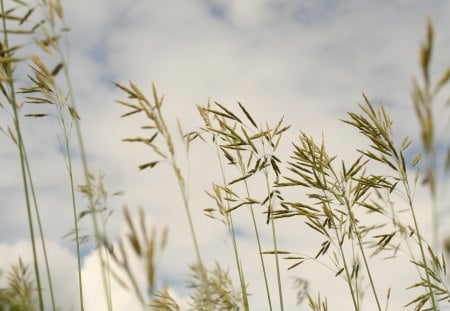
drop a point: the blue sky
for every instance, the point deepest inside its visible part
(307, 60)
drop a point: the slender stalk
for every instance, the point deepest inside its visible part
(272, 221)
(258, 242)
(344, 261)
(358, 295)
(255, 227)
(347, 272)
(97, 232)
(404, 179)
(353, 223)
(376, 126)
(75, 222)
(239, 266)
(419, 238)
(340, 241)
(191, 228)
(162, 127)
(41, 233)
(30, 218)
(363, 254)
(60, 105)
(230, 226)
(105, 252)
(12, 100)
(45, 10)
(274, 239)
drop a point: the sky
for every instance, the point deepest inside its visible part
(306, 61)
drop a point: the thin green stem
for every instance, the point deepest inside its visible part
(191, 227)
(419, 238)
(105, 252)
(274, 239)
(239, 265)
(75, 221)
(258, 242)
(355, 258)
(230, 226)
(30, 219)
(347, 272)
(68, 157)
(361, 248)
(20, 145)
(344, 260)
(97, 232)
(41, 233)
(182, 185)
(255, 227)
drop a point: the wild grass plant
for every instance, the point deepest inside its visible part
(43, 88)
(331, 197)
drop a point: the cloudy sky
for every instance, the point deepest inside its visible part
(308, 61)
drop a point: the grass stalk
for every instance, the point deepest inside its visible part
(355, 257)
(377, 127)
(184, 195)
(355, 299)
(30, 217)
(234, 132)
(20, 144)
(260, 250)
(69, 166)
(363, 253)
(97, 231)
(340, 241)
(182, 186)
(274, 240)
(231, 231)
(75, 222)
(404, 178)
(257, 235)
(41, 232)
(49, 10)
(419, 238)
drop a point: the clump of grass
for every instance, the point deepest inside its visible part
(337, 194)
(334, 195)
(18, 16)
(250, 150)
(222, 293)
(40, 26)
(19, 293)
(376, 126)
